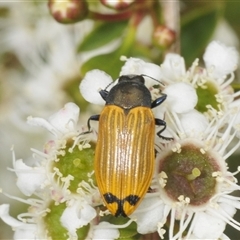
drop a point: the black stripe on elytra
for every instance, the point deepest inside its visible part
(131, 199)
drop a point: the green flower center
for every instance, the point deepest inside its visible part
(207, 96)
(189, 174)
(77, 163)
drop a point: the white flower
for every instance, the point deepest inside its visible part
(220, 59)
(55, 181)
(181, 97)
(212, 84)
(197, 183)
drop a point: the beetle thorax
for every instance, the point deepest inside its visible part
(128, 95)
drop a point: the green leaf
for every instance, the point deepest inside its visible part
(236, 86)
(109, 63)
(197, 27)
(102, 34)
(232, 15)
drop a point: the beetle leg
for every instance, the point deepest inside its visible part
(161, 122)
(104, 94)
(158, 101)
(92, 118)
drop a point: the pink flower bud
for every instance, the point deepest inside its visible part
(69, 11)
(163, 36)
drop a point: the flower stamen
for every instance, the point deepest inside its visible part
(195, 173)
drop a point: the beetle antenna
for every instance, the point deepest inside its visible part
(109, 85)
(144, 75)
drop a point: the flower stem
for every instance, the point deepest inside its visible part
(171, 16)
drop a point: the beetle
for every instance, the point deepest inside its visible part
(124, 155)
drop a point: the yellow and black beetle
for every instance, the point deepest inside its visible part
(124, 156)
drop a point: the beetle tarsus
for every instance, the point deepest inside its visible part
(161, 122)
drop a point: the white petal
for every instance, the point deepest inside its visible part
(220, 59)
(65, 119)
(147, 221)
(193, 122)
(105, 230)
(4, 215)
(132, 66)
(22, 230)
(40, 122)
(29, 179)
(76, 215)
(229, 202)
(229, 206)
(181, 97)
(139, 67)
(173, 67)
(207, 226)
(235, 114)
(27, 232)
(91, 84)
